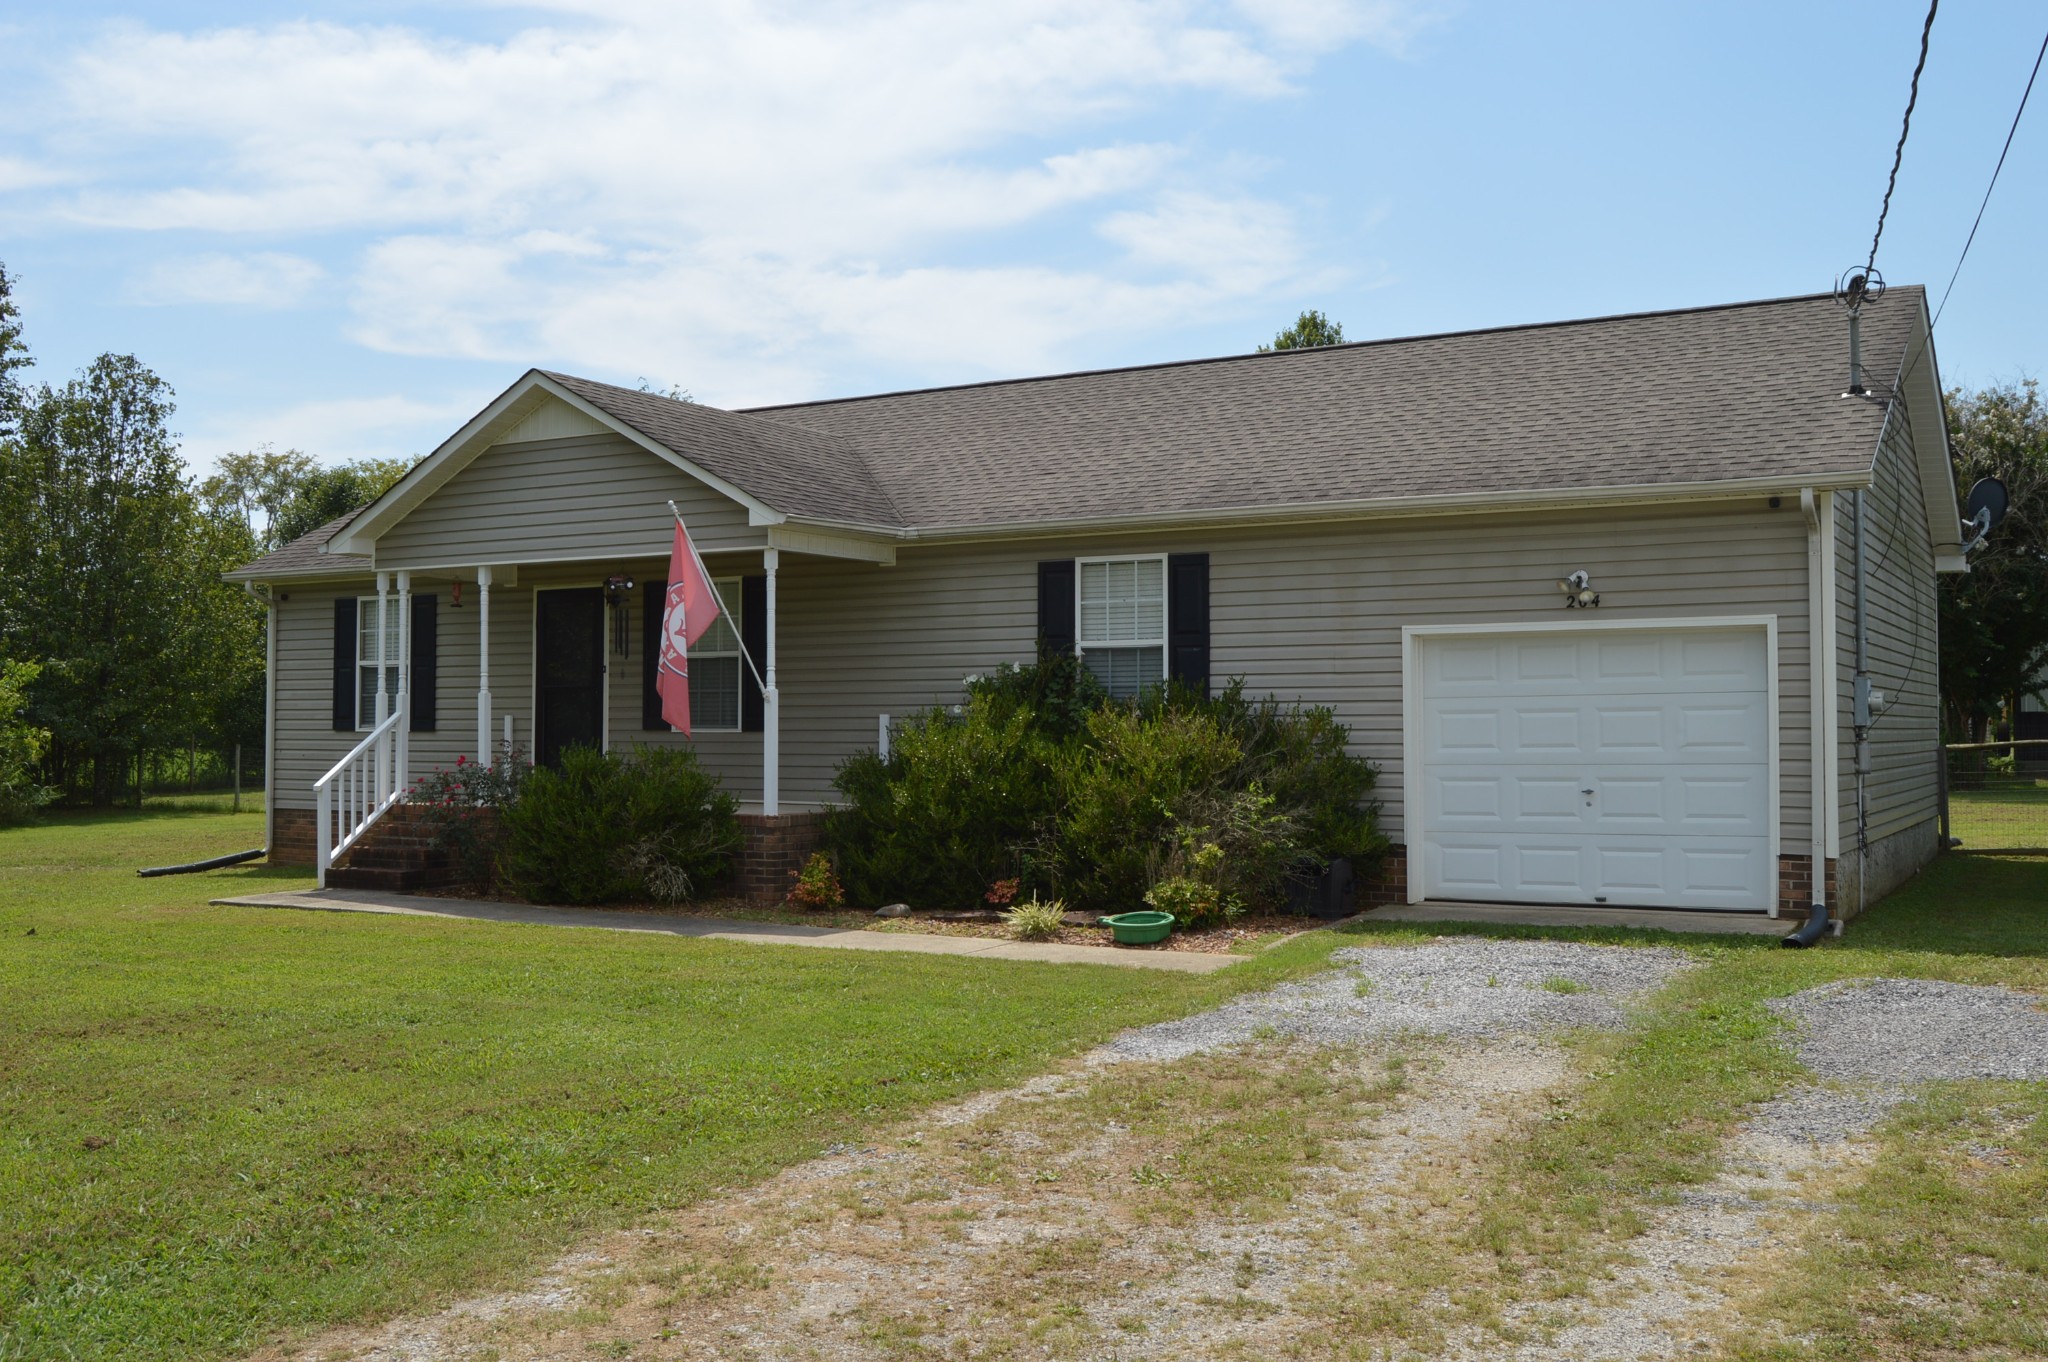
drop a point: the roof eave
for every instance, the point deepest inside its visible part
(1372, 508)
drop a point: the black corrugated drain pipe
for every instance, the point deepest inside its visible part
(1816, 927)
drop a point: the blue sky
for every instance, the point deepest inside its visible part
(343, 229)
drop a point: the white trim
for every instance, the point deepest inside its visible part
(1825, 674)
(1165, 608)
(1411, 698)
(827, 544)
(270, 725)
(378, 702)
(428, 476)
(1384, 508)
(771, 697)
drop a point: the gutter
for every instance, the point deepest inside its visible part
(1819, 511)
(1296, 512)
(269, 714)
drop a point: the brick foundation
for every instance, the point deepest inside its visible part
(291, 837)
(772, 849)
(1388, 884)
(1795, 887)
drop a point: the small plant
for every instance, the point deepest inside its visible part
(1033, 920)
(1193, 896)
(815, 888)
(1557, 983)
(1002, 893)
(463, 808)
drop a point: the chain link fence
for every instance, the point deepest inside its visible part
(1997, 795)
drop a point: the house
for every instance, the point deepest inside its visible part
(1637, 610)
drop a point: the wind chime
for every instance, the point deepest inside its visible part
(618, 594)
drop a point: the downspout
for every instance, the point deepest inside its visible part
(1860, 705)
(1817, 747)
(269, 714)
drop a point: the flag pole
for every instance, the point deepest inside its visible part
(712, 582)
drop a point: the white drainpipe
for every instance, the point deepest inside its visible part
(1818, 509)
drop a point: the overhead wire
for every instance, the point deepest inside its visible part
(1905, 126)
(1986, 203)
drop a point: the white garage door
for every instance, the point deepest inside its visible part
(1622, 766)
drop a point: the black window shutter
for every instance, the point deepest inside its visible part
(754, 638)
(1056, 605)
(426, 663)
(1187, 623)
(653, 600)
(345, 664)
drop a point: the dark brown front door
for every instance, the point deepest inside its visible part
(568, 672)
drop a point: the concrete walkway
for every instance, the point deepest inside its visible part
(734, 929)
(1538, 915)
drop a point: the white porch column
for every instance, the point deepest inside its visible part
(380, 759)
(771, 703)
(403, 743)
(483, 665)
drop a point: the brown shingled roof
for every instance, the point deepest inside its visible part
(1708, 395)
(1737, 393)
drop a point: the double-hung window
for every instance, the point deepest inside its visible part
(715, 668)
(366, 659)
(1121, 621)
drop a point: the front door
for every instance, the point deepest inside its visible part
(568, 672)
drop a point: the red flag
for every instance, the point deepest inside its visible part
(691, 608)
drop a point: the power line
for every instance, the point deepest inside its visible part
(1905, 126)
(1994, 180)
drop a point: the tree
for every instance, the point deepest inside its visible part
(13, 357)
(328, 493)
(1310, 329)
(1994, 618)
(262, 483)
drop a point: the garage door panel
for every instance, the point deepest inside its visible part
(1668, 729)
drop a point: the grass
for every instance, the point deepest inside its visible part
(1995, 812)
(221, 1126)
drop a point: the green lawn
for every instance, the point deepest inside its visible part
(220, 1126)
(1991, 811)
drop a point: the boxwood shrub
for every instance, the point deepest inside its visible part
(604, 826)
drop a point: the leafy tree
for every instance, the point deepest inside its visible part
(110, 579)
(325, 494)
(1310, 329)
(1994, 618)
(13, 357)
(262, 483)
(21, 746)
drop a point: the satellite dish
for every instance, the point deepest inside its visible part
(1986, 507)
(1987, 494)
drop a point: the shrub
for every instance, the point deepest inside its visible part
(463, 806)
(1041, 778)
(1192, 891)
(1032, 920)
(1003, 893)
(815, 888)
(958, 805)
(605, 826)
(22, 745)
(1123, 789)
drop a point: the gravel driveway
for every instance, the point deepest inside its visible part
(1064, 1218)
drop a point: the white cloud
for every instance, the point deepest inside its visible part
(338, 429)
(713, 188)
(262, 279)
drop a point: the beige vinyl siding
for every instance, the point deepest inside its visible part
(570, 498)
(1900, 790)
(1309, 612)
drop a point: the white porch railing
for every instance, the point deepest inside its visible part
(358, 790)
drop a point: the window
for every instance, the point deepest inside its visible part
(1121, 623)
(715, 667)
(366, 659)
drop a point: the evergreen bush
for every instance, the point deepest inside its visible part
(606, 826)
(1041, 777)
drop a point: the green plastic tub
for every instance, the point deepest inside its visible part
(1139, 929)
